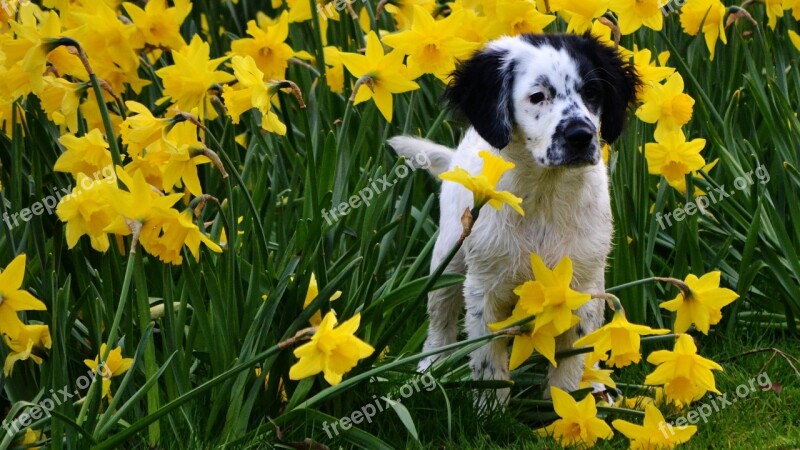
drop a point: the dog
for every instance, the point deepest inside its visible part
(542, 102)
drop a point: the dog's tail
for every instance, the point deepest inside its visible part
(422, 153)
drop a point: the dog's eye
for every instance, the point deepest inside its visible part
(591, 95)
(537, 98)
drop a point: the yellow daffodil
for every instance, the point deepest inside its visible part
(707, 16)
(87, 154)
(621, 337)
(31, 437)
(13, 299)
(703, 304)
(649, 72)
(794, 5)
(115, 365)
(164, 237)
(332, 350)
(559, 299)
(774, 11)
(385, 75)
(632, 14)
(473, 25)
(592, 374)
(140, 203)
(513, 17)
(402, 11)
(484, 185)
(311, 295)
(541, 339)
(794, 37)
(185, 153)
(251, 92)
(267, 47)
(580, 13)
(141, 129)
(88, 210)
(686, 376)
(432, 46)
(187, 81)
(667, 105)
(23, 343)
(654, 432)
(157, 24)
(60, 100)
(578, 423)
(104, 37)
(90, 110)
(673, 157)
(334, 73)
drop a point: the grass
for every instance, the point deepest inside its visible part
(193, 382)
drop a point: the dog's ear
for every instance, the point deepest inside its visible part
(481, 89)
(620, 82)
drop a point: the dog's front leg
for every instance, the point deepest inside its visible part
(489, 362)
(567, 375)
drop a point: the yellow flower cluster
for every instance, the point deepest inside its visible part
(23, 340)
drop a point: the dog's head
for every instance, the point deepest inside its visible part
(554, 93)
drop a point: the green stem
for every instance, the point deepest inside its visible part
(150, 363)
(436, 124)
(631, 284)
(113, 333)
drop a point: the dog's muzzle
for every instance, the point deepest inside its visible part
(580, 143)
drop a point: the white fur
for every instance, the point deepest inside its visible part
(567, 213)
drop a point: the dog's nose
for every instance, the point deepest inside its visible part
(579, 136)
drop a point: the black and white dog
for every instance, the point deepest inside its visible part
(543, 102)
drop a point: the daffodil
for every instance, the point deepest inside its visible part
(473, 25)
(141, 129)
(580, 13)
(706, 16)
(774, 11)
(251, 92)
(311, 295)
(31, 437)
(703, 303)
(14, 299)
(484, 185)
(559, 299)
(432, 46)
(673, 157)
(140, 203)
(794, 5)
(541, 338)
(334, 73)
(794, 37)
(113, 366)
(88, 210)
(593, 374)
(165, 237)
(60, 100)
(578, 423)
(332, 350)
(619, 336)
(685, 375)
(633, 14)
(104, 37)
(23, 343)
(188, 80)
(383, 75)
(185, 154)
(649, 72)
(667, 105)
(33, 44)
(267, 47)
(514, 17)
(403, 10)
(653, 433)
(87, 154)
(159, 25)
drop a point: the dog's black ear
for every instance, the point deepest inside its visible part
(481, 89)
(620, 82)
